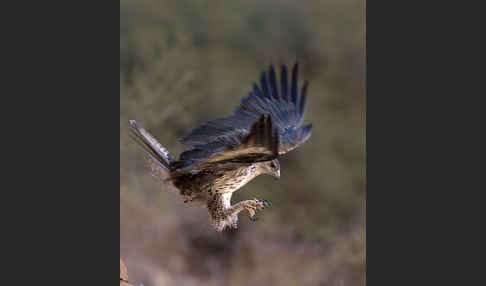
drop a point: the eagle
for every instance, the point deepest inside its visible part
(229, 152)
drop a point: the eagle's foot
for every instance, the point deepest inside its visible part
(252, 206)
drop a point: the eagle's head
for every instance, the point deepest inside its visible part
(271, 168)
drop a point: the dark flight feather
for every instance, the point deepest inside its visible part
(259, 144)
(286, 108)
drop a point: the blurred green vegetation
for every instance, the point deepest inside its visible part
(185, 62)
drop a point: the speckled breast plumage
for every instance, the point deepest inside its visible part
(234, 181)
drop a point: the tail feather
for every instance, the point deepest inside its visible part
(150, 145)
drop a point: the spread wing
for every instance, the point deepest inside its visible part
(259, 143)
(284, 104)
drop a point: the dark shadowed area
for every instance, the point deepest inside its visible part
(184, 62)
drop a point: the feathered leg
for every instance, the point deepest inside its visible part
(223, 214)
(251, 207)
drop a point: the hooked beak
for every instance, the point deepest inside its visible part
(277, 175)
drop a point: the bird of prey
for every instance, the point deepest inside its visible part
(229, 152)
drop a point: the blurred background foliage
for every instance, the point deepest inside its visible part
(187, 61)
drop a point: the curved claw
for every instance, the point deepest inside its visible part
(253, 218)
(266, 203)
